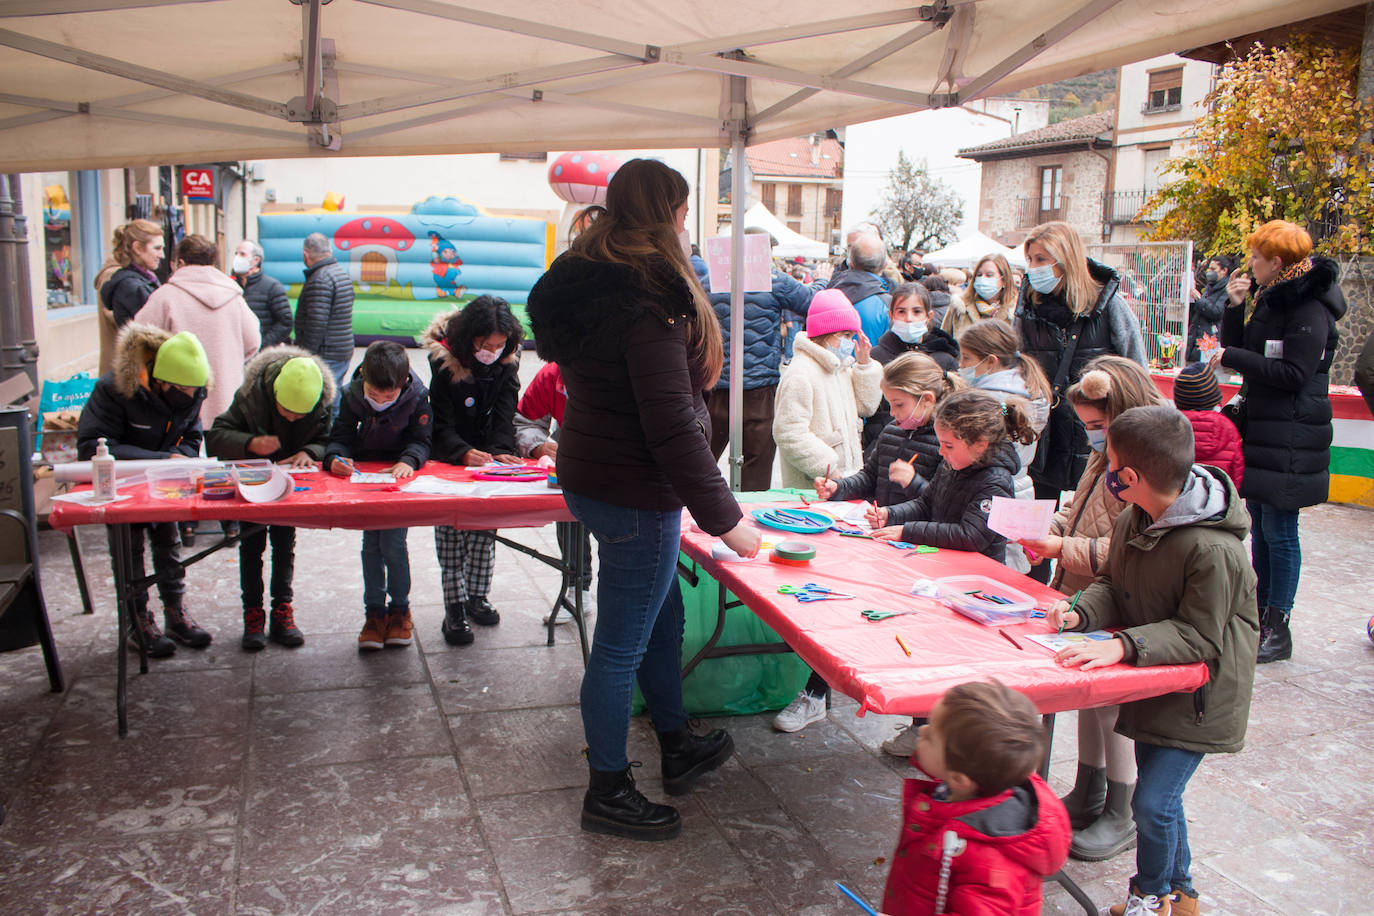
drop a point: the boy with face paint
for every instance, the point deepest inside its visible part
(148, 406)
(1178, 584)
(384, 415)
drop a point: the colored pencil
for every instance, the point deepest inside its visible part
(901, 643)
(857, 899)
(1072, 604)
(1007, 636)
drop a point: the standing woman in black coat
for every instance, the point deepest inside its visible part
(1283, 352)
(1205, 311)
(637, 342)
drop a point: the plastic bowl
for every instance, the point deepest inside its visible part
(955, 592)
(173, 481)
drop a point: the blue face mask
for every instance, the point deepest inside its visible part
(970, 374)
(909, 331)
(987, 287)
(844, 349)
(1097, 438)
(1042, 279)
(1114, 484)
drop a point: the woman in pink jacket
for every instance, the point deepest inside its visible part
(202, 299)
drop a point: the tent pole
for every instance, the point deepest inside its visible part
(738, 127)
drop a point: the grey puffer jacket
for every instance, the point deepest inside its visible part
(324, 311)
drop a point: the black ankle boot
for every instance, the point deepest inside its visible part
(1276, 640)
(687, 756)
(456, 629)
(614, 806)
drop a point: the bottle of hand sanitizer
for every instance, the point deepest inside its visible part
(102, 474)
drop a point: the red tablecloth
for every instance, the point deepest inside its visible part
(333, 502)
(862, 658)
(1346, 401)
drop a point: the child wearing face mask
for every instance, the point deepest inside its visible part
(831, 383)
(911, 329)
(474, 358)
(384, 415)
(1080, 536)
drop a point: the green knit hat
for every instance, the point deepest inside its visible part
(299, 384)
(181, 360)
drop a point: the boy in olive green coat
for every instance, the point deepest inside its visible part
(1180, 587)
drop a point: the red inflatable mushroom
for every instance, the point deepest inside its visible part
(373, 230)
(581, 178)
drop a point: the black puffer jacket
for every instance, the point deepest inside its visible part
(254, 412)
(473, 408)
(953, 511)
(135, 421)
(1284, 354)
(635, 430)
(266, 297)
(324, 311)
(1204, 315)
(402, 432)
(894, 444)
(936, 344)
(125, 293)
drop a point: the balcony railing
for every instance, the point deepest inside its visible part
(1124, 207)
(1030, 213)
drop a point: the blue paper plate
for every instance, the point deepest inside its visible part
(819, 522)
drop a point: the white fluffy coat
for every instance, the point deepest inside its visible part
(817, 413)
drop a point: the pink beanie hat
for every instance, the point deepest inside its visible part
(830, 312)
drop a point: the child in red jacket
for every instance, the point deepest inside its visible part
(982, 831)
(1216, 440)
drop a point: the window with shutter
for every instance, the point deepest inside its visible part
(1165, 92)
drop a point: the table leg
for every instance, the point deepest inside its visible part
(581, 566)
(571, 571)
(79, 567)
(120, 548)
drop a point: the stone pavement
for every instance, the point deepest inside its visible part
(443, 780)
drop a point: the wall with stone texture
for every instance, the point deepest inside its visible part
(1357, 282)
(1007, 181)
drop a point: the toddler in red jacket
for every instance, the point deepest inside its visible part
(1216, 441)
(981, 830)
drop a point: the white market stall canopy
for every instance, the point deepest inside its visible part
(966, 252)
(112, 83)
(790, 244)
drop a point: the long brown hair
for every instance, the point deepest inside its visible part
(1112, 385)
(975, 415)
(1006, 297)
(636, 228)
(1063, 243)
(139, 230)
(994, 337)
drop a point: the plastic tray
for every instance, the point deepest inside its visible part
(820, 521)
(954, 592)
(173, 482)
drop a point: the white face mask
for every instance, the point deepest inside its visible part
(241, 264)
(1042, 279)
(987, 287)
(378, 406)
(487, 357)
(909, 331)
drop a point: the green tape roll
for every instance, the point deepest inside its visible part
(794, 550)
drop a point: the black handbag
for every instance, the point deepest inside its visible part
(1063, 426)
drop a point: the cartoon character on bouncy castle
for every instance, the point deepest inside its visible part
(444, 262)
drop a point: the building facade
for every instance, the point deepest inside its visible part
(801, 182)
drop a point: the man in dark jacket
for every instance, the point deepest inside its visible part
(763, 317)
(324, 311)
(264, 294)
(148, 406)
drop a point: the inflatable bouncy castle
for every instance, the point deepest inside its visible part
(406, 268)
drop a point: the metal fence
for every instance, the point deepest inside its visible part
(1155, 280)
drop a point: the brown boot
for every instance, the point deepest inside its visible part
(1139, 903)
(1183, 903)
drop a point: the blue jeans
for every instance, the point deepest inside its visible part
(339, 369)
(1276, 554)
(386, 570)
(1162, 857)
(638, 626)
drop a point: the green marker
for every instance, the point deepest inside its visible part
(1072, 604)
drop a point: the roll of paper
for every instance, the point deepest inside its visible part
(80, 471)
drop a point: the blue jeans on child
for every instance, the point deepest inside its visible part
(638, 626)
(339, 369)
(1276, 554)
(1162, 857)
(386, 569)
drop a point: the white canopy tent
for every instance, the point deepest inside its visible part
(790, 244)
(966, 252)
(112, 83)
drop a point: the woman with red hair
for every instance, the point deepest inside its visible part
(1283, 352)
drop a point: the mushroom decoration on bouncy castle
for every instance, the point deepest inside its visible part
(368, 248)
(579, 178)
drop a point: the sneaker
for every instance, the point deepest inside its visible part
(903, 744)
(284, 629)
(398, 629)
(1138, 904)
(482, 613)
(373, 635)
(254, 633)
(564, 615)
(183, 628)
(159, 646)
(800, 713)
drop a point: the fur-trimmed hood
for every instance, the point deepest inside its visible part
(442, 357)
(1321, 283)
(135, 351)
(274, 357)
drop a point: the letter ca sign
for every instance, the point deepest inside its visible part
(198, 185)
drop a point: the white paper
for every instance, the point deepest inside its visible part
(438, 486)
(313, 469)
(274, 488)
(720, 551)
(1056, 641)
(1021, 519)
(758, 263)
(86, 499)
(369, 477)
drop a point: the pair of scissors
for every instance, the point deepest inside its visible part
(883, 615)
(811, 592)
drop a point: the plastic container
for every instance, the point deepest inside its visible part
(218, 483)
(955, 591)
(173, 481)
(252, 472)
